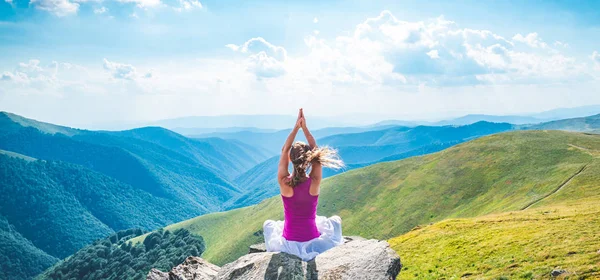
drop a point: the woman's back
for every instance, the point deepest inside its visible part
(300, 211)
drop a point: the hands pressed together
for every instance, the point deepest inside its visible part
(301, 121)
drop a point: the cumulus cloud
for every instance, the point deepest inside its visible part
(532, 39)
(386, 50)
(100, 10)
(315, 20)
(186, 5)
(33, 74)
(123, 71)
(143, 3)
(59, 8)
(561, 44)
(265, 60)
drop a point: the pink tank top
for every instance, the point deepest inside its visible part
(300, 212)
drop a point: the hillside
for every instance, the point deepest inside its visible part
(583, 124)
(111, 259)
(515, 245)
(155, 160)
(61, 207)
(16, 252)
(492, 174)
(364, 149)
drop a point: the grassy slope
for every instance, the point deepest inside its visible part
(584, 124)
(515, 245)
(498, 173)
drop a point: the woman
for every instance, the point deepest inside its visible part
(303, 233)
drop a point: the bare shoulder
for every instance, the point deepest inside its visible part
(284, 187)
(315, 186)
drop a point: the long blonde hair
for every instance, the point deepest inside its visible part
(302, 156)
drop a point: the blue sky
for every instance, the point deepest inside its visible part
(88, 61)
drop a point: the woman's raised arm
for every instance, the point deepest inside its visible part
(283, 171)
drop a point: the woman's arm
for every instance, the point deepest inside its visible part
(283, 171)
(316, 170)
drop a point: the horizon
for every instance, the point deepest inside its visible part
(83, 62)
(575, 112)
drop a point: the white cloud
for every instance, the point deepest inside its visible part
(42, 78)
(186, 5)
(100, 10)
(265, 60)
(316, 32)
(143, 3)
(59, 8)
(561, 44)
(124, 71)
(265, 66)
(532, 39)
(433, 54)
(596, 59)
(315, 20)
(134, 15)
(436, 52)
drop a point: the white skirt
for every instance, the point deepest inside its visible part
(331, 236)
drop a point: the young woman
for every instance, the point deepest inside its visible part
(303, 233)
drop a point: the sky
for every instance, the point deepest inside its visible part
(81, 62)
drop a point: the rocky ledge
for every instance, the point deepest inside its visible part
(357, 258)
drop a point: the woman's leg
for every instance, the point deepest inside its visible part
(268, 227)
(336, 221)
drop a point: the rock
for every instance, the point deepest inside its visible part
(156, 274)
(357, 258)
(557, 272)
(193, 268)
(257, 248)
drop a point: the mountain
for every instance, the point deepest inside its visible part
(17, 253)
(364, 149)
(535, 118)
(152, 159)
(273, 141)
(256, 121)
(469, 119)
(372, 146)
(61, 207)
(583, 124)
(492, 174)
(112, 258)
(66, 187)
(568, 113)
(201, 130)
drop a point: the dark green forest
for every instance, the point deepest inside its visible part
(115, 258)
(19, 258)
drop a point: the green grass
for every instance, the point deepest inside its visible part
(494, 174)
(515, 245)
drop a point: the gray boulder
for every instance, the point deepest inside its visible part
(358, 258)
(193, 268)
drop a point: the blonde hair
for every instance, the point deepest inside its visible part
(303, 156)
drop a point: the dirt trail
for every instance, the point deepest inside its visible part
(555, 190)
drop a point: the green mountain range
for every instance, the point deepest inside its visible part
(493, 174)
(364, 149)
(68, 187)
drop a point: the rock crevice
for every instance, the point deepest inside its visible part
(357, 258)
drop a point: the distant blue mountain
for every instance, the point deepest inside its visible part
(363, 149)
